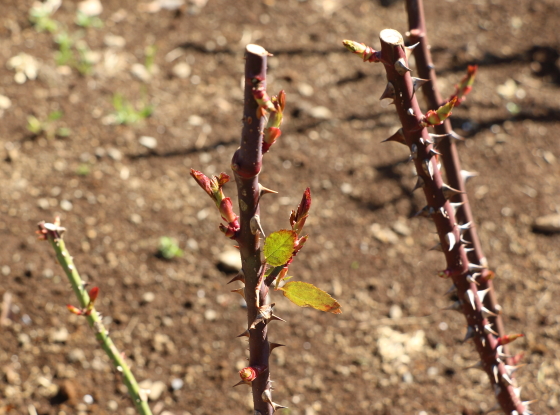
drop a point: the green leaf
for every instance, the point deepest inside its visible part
(307, 295)
(279, 247)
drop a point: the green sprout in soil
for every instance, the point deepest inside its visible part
(169, 248)
(47, 127)
(84, 65)
(83, 169)
(85, 21)
(40, 16)
(64, 56)
(150, 57)
(125, 113)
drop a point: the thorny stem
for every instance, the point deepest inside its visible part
(451, 163)
(53, 234)
(442, 213)
(246, 164)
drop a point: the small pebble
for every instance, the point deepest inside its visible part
(148, 297)
(230, 260)
(114, 41)
(90, 8)
(5, 102)
(148, 142)
(156, 390)
(58, 335)
(88, 399)
(66, 205)
(115, 154)
(177, 384)
(547, 224)
(140, 72)
(210, 315)
(181, 70)
(320, 112)
(395, 312)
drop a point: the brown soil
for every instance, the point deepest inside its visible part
(391, 351)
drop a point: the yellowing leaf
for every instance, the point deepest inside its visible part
(307, 295)
(279, 247)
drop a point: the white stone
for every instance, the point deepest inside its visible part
(90, 8)
(230, 260)
(148, 142)
(181, 70)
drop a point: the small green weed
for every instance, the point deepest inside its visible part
(40, 16)
(47, 127)
(125, 113)
(168, 248)
(85, 21)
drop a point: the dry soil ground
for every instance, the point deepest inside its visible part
(391, 351)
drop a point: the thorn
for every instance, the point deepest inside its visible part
(500, 352)
(472, 278)
(389, 92)
(264, 190)
(467, 250)
(433, 152)
(275, 317)
(517, 392)
(456, 306)
(512, 369)
(450, 239)
(443, 212)
(469, 295)
(426, 212)
(488, 330)
(240, 291)
(478, 365)
(255, 225)
(438, 138)
(245, 334)
(418, 82)
(449, 192)
(239, 277)
(487, 313)
(408, 49)
(437, 247)
(410, 112)
(482, 293)
(413, 151)
(497, 389)
(470, 334)
(428, 168)
(508, 338)
(456, 206)
(495, 372)
(465, 226)
(419, 183)
(456, 136)
(475, 267)
(401, 67)
(466, 175)
(397, 137)
(451, 289)
(242, 382)
(274, 346)
(507, 379)
(267, 397)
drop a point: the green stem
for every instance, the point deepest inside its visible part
(54, 236)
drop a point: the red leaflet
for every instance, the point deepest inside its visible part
(508, 338)
(93, 294)
(74, 310)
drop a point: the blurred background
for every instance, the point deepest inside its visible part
(104, 108)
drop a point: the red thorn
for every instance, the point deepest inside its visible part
(508, 338)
